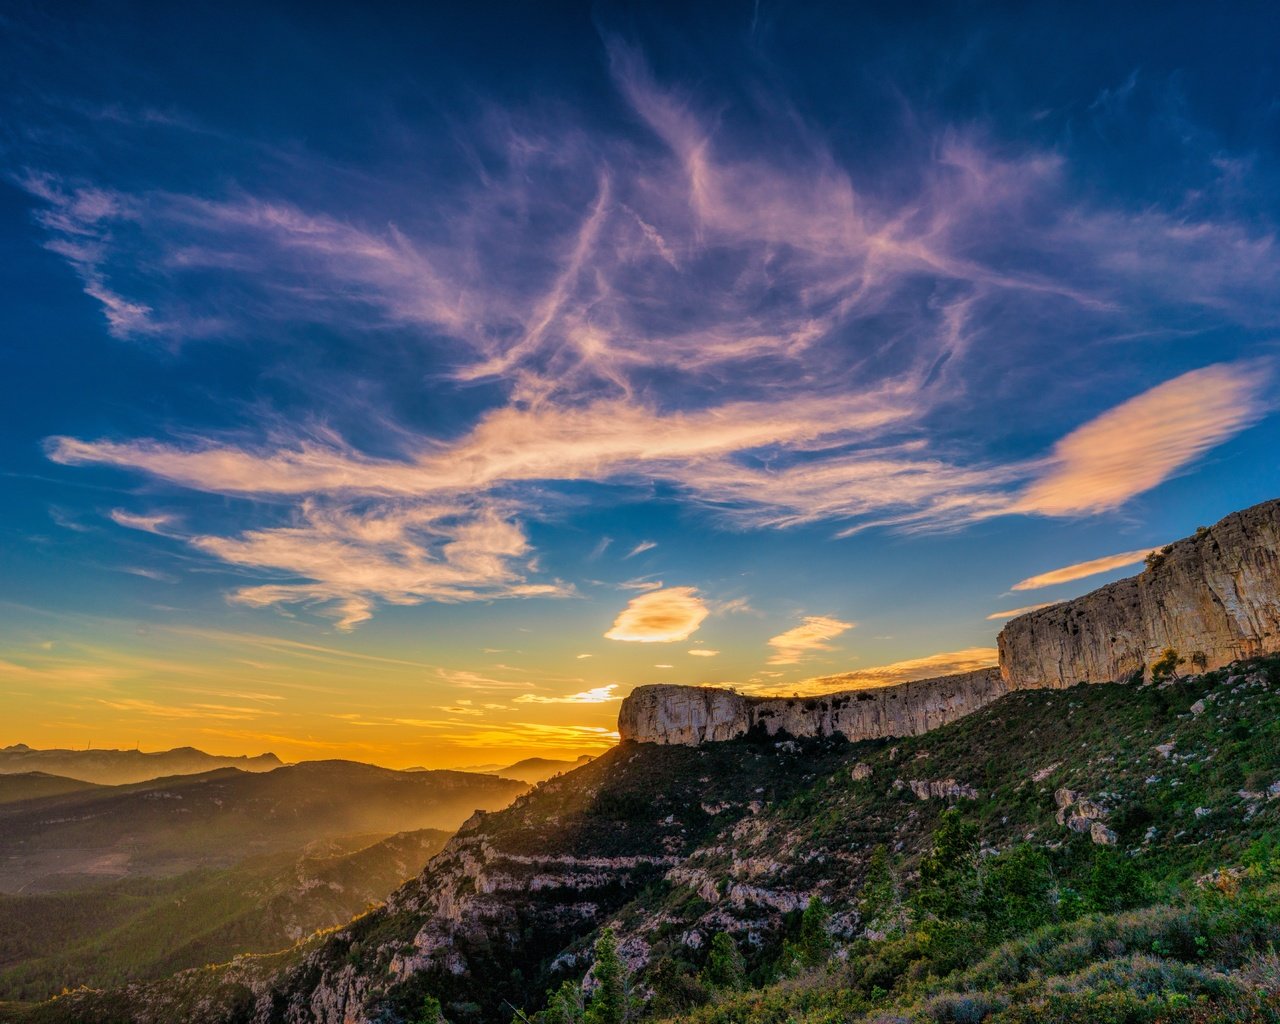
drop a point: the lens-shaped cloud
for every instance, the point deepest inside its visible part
(660, 616)
(1144, 441)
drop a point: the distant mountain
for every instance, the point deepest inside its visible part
(137, 929)
(172, 825)
(538, 769)
(33, 785)
(121, 767)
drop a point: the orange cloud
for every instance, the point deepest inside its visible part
(702, 652)
(660, 616)
(1080, 570)
(598, 695)
(807, 638)
(1015, 612)
(1144, 441)
(947, 663)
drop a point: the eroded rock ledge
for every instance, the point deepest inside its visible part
(690, 715)
(1213, 597)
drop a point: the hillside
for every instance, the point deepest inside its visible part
(33, 785)
(1120, 795)
(121, 767)
(143, 928)
(216, 819)
(538, 769)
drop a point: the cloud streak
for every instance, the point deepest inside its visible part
(810, 637)
(1081, 570)
(947, 663)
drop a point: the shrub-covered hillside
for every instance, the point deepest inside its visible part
(1046, 848)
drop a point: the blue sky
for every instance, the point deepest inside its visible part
(480, 365)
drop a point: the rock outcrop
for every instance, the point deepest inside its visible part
(1213, 597)
(690, 715)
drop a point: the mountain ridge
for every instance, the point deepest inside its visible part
(120, 767)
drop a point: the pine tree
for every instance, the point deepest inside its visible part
(432, 1012)
(816, 944)
(724, 970)
(564, 1005)
(609, 999)
(880, 901)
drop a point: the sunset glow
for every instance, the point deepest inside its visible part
(415, 399)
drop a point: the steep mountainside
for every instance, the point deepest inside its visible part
(142, 928)
(1213, 597)
(172, 825)
(672, 844)
(121, 767)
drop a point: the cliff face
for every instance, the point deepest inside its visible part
(689, 715)
(1215, 594)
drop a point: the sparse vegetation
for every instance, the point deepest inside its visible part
(987, 909)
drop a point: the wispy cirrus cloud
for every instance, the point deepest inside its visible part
(660, 616)
(1081, 570)
(157, 522)
(779, 343)
(810, 637)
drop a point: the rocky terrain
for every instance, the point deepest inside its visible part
(671, 844)
(690, 715)
(1213, 598)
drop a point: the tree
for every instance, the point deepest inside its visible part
(564, 1005)
(677, 988)
(816, 944)
(1167, 666)
(431, 1013)
(724, 970)
(880, 901)
(949, 871)
(1017, 888)
(609, 999)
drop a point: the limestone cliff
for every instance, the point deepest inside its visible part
(689, 715)
(1214, 598)
(1216, 595)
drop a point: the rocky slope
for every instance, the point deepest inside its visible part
(672, 843)
(1213, 597)
(690, 715)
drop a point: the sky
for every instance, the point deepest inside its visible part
(409, 385)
